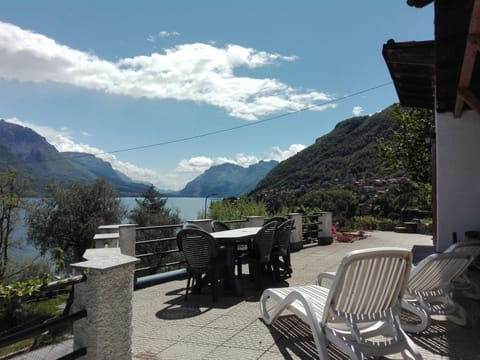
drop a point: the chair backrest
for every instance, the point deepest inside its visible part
(278, 219)
(282, 236)
(188, 225)
(198, 247)
(369, 282)
(263, 241)
(219, 226)
(471, 247)
(437, 271)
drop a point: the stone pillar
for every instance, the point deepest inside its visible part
(127, 238)
(106, 240)
(205, 224)
(296, 241)
(325, 236)
(107, 237)
(105, 229)
(253, 221)
(107, 297)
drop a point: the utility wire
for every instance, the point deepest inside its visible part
(215, 132)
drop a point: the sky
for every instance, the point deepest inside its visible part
(164, 90)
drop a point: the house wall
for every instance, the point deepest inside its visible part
(458, 176)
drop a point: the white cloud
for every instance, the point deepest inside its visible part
(357, 110)
(280, 155)
(166, 34)
(151, 38)
(199, 164)
(196, 72)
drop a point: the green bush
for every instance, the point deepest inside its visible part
(365, 223)
(229, 209)
(386, 224)
(14, 294)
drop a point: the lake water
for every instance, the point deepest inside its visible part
(189, 208)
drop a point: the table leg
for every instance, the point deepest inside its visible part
(231, 280)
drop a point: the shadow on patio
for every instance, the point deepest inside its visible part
(167, 327)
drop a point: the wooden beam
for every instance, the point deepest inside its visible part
(469, 59)
(470, 98)
(474, 40)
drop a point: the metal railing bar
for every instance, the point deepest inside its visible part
(64, 283)
(164, 252)
(234, 221)
(156, 227)
(40, 328)
(310, 224)
(151, 241)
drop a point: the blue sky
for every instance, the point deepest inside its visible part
(107, 76)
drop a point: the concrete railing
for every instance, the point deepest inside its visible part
(307, 229)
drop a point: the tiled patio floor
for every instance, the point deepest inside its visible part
(167, 327)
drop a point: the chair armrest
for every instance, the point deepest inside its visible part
(327, 276)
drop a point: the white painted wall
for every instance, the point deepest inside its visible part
(458, 176)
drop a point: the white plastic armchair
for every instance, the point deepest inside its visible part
(429, 289)
(463, 283)
(360, 312)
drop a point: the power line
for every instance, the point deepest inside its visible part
(216, 132)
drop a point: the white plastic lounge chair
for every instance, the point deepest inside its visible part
(360, 312)
(429, 289)
(463, 283)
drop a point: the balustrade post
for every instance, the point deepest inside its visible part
(107, 296)
(296, 241)
(205, 224)
(253, 221)
(127, 239)
(325, 236)
(107, 237)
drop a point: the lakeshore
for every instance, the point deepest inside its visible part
(188, 207)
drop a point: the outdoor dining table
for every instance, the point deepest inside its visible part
(230, 239)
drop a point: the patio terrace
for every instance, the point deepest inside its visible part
(167, 327)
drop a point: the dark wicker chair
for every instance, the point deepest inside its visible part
(278, 219)
(240, 252)
(201, 252)
(219, 226)
(281, 249)
(260, 251)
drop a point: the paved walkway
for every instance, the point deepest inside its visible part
(167, 327)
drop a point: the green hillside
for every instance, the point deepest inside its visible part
(345, 155)
(37, 162)
(343, 174)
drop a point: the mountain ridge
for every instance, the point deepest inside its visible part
(228, 180)
(36, 161)
(345, 155)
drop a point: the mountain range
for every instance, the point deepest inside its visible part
(228, 180)
(34, 160)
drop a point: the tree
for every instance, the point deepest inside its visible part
(150, 211)
(409, 148)
(10, 203)
(68, 217)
